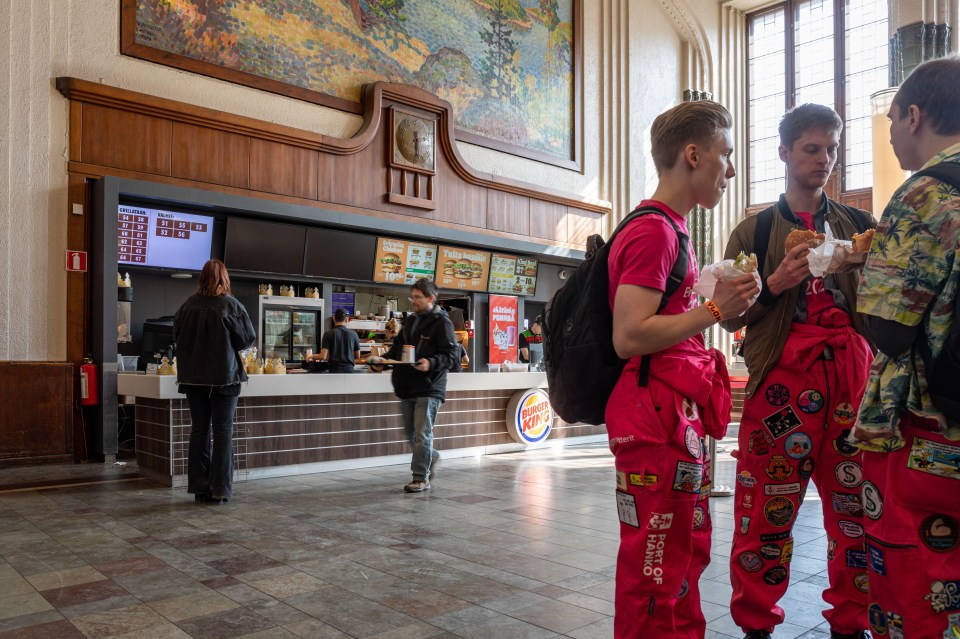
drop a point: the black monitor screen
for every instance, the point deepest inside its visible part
(156, 342)
(264, 247)
(340, 255)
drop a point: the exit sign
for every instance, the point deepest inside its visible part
(77, 261)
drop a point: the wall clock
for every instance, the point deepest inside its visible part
(414, 141)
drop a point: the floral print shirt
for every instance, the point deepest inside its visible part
(911, 265)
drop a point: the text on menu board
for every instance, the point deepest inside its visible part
(462, 269)
(513, 275)
(402, 262)
(153, 237)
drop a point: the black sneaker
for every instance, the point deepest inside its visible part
(758, 634)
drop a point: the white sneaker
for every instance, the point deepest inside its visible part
(417, 486)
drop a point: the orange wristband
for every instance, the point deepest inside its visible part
(713, 310)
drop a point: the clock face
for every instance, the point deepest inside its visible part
(414, 141)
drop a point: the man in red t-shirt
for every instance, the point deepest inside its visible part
(808, 363)
(657, 422)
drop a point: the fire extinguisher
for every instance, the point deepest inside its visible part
(89, 393)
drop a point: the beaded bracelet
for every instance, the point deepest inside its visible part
(713, 310)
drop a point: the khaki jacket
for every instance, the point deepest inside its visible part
(768, 321)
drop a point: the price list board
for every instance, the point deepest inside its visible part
(154, 237)
(513, 275)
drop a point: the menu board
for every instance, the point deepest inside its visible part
(166, 239)
(513, 275)
(403, 262)
(462, 269)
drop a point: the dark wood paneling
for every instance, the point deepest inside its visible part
(122, 139)
(548, 220)
(284, 169)
(466, 204)
(861, 199)
(508, 212)
(36, 412)
(208, 155)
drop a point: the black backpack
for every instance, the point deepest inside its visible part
(943, 375)
(582, 365)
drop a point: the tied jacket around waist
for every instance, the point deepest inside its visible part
(209, 332)
(432, 337)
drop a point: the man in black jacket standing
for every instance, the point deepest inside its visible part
(422, 386)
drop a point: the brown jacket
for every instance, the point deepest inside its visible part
(768, 321)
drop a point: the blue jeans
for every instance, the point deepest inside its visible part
(418, 417)
(208, 473)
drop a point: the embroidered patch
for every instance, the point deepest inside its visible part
(872, 501)
(847, 504)
(939, 533)
(778, 511)
(779, 469)
(831, 549)
(782, 422)
(856, 559)
(952, 631)
(645, 479)
(746, 479)
(775, 575)
(759, 443)
(690, 410)
(747, 500)
(944, 595)
(692, 441)
(810, 401)
(787, 553)
(934, 458)
(850, 528)
(771, 490)
(780, 536)
(660, 521)
(744, 525)
(777, 394)
(750, 561)
(688, 477)
(798, 445)
(878, 619)
(770, 551)
(843, 447)
(621, 480)
(849, 474)
(895, 625)
(876, 560)
(844, 414)
(627, 509)
(806, 468)
(699, 517)
(862, 583)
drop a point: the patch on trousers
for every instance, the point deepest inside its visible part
(952, 631)
(778, 468)
(692, 441)
(690, 409)
(684, 589)
(771, 490)
(786, 555)
(843, 447)
(705, 489)
(878, 619)
(699, 517)
(831, 549)
(775, 575)
(777, 394)
(778, 511)
(760, 442)
(688, 477)
(934, 458)
(782, 422)
(844, 413)
(847, 504)
(798, 445)
(856, 559)
(850, 528)
(939, 533)
(810, 401)
(862, 583)
(750, 561)
(780, 536)
(805, 470)
(627, 509)
(770, 551)
(849, 474)
(643, 479)
(944, 596)
(876, 560)
(747, 500)
(872, 501)
(653, 557)
(660, 521)
(744, 525)
(895, 626)
(746, 479)
(621, 480)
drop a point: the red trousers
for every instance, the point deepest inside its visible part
(911, 498)
(794, 429)
(657, 437)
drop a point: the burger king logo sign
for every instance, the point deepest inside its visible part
(530, 416)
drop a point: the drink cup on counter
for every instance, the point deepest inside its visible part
(409, 354)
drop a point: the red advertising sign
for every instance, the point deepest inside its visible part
(503, 329)
(77, 261)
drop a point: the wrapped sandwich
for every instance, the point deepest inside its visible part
(862, 241)
(803, 236)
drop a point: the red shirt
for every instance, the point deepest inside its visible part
(819, 298)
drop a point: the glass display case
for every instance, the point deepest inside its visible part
(287, 327)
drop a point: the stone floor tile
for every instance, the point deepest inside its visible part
(198, 604)
(560, 617)
(61, 629)
(225, 625)
(98, 625)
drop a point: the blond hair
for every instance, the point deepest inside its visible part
(696, 122)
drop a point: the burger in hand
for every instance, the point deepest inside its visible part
(805, 236)
(745, 263)
(390, 263)
(862, 241)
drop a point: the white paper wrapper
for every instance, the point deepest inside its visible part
(713, 273)
(834, 256)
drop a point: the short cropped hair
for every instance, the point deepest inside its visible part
(425, 286)
(339, 315)
(934, 87)
(214, 279)
(696, 122)
(805, 117)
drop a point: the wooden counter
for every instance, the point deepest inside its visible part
(301, 423)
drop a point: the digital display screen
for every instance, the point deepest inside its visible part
(403, 262)
(165, 239)
(462, 269)
(513, 275)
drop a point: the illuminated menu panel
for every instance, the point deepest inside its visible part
(462, 269)
(165, 239)
(511, 275)
(403, 262)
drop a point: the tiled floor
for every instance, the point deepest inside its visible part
(509, 546)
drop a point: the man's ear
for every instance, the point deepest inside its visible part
(914, 118)
(783, 151)
(691, 155)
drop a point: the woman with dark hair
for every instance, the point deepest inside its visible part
(209, 329)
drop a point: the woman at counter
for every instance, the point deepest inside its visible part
(210, 329)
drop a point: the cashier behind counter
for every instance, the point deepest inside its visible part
(339, 348)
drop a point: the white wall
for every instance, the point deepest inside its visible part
(633, 65)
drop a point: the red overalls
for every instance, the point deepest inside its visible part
(794, 428)
(657, 437)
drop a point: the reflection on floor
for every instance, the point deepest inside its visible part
(509, 546)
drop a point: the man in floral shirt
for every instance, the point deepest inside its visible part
(911, 467)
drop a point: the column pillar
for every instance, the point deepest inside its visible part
(920, 30)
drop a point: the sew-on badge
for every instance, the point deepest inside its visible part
(862, 583)
(849, 474)
(806, 468)
(660, 521)
(692, 441)
(688, 477)
(944, 596)
(699, 517)
(844, 413)
(872, 501)
(744, 525)
(690, 409)
(643, 479)
(772, 490)
(684, 589)
(786, 554)
(750, 561)
(621, 480)
(856, 559)
(831, 549)
(775, 575)
(774, 537)
(759, 443)
(747, 500)
(627, 509)
(850, 528)
(810, 401)
(770, 551)
(934, 458)
(782, 422)
(895, 625)
(939, 533)
(876, 560)
(843, 447)
(878, 619)
(847, 504)
(746, 479)
(778, 511)
(798, 445)
(777, 394)
(952, 631)
(778, 468)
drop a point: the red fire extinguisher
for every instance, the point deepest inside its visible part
(89, 393)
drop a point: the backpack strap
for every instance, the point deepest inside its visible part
(761, 237)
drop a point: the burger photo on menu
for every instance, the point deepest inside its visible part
(449, 266)
(530, 269)
(463, 270)
(390, 263)
(477, 269)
